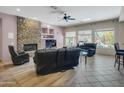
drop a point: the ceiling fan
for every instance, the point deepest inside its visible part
(67, 17)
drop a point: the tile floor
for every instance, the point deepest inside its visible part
(99, 72)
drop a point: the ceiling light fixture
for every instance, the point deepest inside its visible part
(18, 10)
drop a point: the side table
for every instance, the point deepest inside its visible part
(84, 53)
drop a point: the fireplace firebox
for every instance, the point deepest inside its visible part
(30, 47)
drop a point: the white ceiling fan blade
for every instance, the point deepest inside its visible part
(71, 18)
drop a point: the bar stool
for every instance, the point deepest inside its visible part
(119, 53)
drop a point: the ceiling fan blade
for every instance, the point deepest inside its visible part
(71, 19)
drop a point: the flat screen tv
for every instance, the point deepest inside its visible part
(50, 43)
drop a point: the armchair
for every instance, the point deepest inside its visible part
(18, 58)
(90, 48)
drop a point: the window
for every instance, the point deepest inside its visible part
(70, 39)
(85, 36)
(104, 38)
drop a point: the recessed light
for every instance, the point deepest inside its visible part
(17, 9)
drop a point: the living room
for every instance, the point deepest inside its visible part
(52, 36)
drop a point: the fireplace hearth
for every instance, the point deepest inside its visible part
(30, 47)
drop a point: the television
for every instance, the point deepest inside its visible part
(50, 43)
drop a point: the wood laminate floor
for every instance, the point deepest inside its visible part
(99, 72)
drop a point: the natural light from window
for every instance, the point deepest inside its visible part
(70, 39)
(104, 39)
(85, 36)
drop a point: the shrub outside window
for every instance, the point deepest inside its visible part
(104, 39)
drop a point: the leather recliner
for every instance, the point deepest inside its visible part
(72, 56)
(18, 58)
(61, 54)
(90, 48)
(45, 61)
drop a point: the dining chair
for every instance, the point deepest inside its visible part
(118, 54)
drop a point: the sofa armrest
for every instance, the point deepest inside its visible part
(23, 56)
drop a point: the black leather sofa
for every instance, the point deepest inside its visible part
(89, 47)
(18, 58)
(53, 60)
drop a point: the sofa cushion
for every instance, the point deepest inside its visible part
(61, 57)
(72, 56)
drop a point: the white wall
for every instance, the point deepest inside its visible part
(118, 28)
(9, 25)
(0, 39)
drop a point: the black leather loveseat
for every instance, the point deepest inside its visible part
(89, 47)
(53, 60)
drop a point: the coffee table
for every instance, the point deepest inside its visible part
(84, 53)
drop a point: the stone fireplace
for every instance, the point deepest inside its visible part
(28, 34)
(30, 47)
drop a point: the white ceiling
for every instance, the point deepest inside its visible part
(80, 13)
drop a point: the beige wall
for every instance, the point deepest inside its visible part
(59, 36)
(9, 25)
(0, 39)
(121, 35)
(118, 27)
